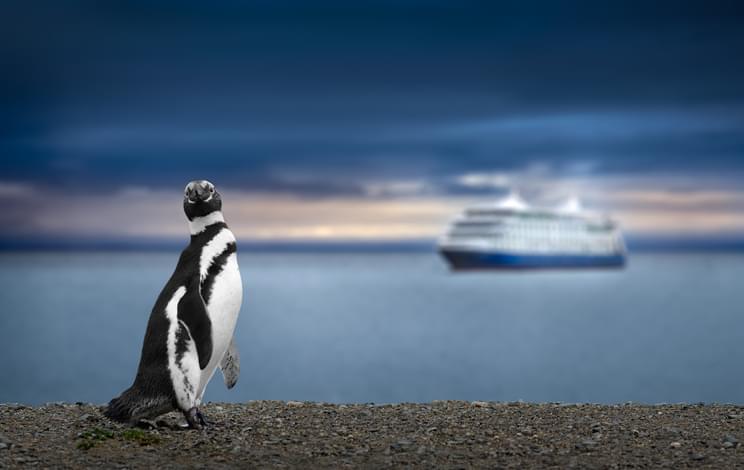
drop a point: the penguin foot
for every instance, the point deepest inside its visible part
(202, 420)
(192, 418)
(145, 424)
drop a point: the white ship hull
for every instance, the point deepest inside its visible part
(510, 235)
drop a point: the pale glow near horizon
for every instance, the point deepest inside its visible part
(133, 212)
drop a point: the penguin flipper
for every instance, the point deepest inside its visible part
(230, 365)
(193, 312)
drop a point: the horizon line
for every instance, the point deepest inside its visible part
(720, 243)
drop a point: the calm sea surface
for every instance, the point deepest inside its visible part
(391, 328)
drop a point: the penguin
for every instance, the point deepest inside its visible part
(190, 330)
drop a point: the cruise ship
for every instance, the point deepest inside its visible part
(511, 234)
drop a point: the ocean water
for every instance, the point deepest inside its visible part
(391, 327)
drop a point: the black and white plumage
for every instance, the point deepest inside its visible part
(191, 326)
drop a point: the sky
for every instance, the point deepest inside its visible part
(368, 120)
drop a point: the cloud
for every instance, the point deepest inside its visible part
(326, 157)
(682, 223)
(143, 94)
(405, 210)
(372, 110)
(14, 190)
(484, 180)
(396, 188)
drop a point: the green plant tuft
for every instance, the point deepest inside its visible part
(141, 437)
(92, 437)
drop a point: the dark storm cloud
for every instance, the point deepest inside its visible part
(321, 98)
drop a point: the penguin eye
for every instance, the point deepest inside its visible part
(211, 190)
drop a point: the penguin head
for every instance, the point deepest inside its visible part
(200, 198)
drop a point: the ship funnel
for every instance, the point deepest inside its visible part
(513, 201)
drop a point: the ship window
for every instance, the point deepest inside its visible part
(475, 223)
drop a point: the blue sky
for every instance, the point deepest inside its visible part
(341, 120)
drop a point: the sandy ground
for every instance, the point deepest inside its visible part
(447, 434)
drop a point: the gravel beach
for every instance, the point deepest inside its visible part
(445, 434)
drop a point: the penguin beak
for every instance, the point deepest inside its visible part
(199, 191)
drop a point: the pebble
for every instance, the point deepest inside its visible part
(15, 406)
(675, 445)
(586, 445)
(731, 439)
(5, 443)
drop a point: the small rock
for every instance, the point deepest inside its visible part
(697, 456)
(295, 403)
(586, 445)
(675, 445)
(480, 404)
(727, 445)
(400, 445)
(731, 439)
(54, 404)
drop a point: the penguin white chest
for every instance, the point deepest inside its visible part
(222, 289)
(223, 308)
